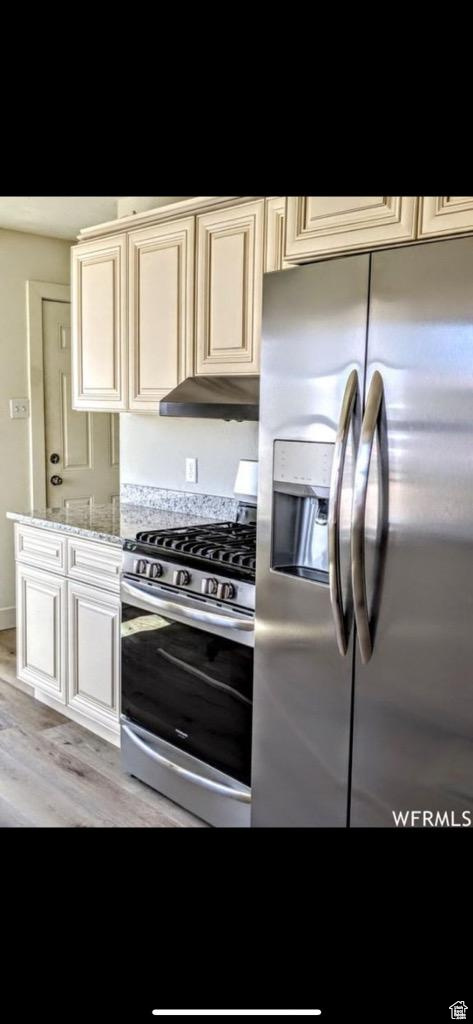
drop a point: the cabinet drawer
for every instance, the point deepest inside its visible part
(92, 562)
(44, 548)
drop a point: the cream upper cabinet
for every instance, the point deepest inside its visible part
(317, 226)
(445, 215)
(229, 280)
(274, 234)
(99, 301)
(161, 310)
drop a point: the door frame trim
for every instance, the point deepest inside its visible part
(36, 293)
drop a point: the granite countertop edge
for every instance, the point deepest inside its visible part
(114, 524)
(77, 531)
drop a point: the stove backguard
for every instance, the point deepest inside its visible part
(301, 491)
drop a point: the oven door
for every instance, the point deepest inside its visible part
(187, 675)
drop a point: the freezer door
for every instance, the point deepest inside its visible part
(413, 707)
(314, 337)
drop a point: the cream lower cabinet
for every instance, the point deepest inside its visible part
(41, 630)
(318, 226)
(99, 325)
(445, 215)
(229, 279)
(94, 652)
(68, 628)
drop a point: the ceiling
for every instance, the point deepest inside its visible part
(57, 216)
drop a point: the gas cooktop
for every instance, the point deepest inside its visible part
(229, 544)
(215, 562)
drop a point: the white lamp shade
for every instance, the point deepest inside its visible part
(246, 483)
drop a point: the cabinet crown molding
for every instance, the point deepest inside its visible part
(198, 204)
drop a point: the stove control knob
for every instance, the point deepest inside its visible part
(140, 566)
(181, 578)
(225, 591)
(154, 570)
(209, 585)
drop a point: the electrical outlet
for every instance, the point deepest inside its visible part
(19, 408)
(191, 471)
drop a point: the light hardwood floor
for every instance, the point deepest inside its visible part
(55, 774)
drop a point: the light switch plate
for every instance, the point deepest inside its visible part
(19, 408)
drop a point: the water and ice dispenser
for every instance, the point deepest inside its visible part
(301, 491)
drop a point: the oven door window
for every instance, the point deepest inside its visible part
(189, 687)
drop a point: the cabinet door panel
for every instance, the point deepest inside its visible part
(445, 215)
(99, 363)
(161, 298)
(41, 630)
(94, 652)
(319, 225)
(229, 289)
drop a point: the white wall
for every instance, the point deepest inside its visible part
(23, 257)
(153, 450)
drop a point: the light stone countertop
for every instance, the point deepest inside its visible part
(110, 523)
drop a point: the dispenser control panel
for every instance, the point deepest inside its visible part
(303, 462)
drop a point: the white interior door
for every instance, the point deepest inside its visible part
(86, 443)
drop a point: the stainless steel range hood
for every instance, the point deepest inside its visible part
(221, 398)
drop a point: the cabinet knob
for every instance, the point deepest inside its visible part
(54, 458)
(56, 481)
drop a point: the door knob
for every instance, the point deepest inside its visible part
(54, 457)
(56, 480)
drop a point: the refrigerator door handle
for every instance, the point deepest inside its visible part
(350, 399)
(360, 490)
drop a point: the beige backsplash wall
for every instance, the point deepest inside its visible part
(153, 450)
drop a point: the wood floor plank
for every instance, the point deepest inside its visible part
(7, 721)
(87, 789)
(8, 638)
(38, 800)
(8, 661)
(26, 710)
(97, 753)
(11, 817)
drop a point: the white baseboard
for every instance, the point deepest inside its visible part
(7, 618)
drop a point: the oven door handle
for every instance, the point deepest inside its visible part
(149, 602)
(185, 773)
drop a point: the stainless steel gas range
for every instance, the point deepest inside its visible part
(187, 664)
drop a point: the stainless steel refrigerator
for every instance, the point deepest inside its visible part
(363, 678)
